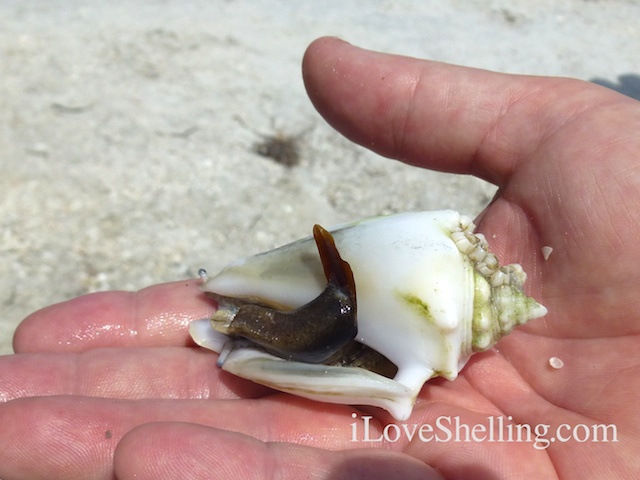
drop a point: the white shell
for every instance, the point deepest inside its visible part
(429, 295)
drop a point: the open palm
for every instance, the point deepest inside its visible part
(108, 384)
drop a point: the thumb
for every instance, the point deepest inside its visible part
(443, 117)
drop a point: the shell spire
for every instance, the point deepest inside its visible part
(500, 303)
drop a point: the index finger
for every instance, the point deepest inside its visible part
(156, 316)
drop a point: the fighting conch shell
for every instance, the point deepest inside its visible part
(365, 314)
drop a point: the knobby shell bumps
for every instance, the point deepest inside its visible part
(366, 314)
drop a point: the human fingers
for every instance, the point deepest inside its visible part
(440, 116)
(75, 437)
(127, 373)
(172, 450)
(155, 316)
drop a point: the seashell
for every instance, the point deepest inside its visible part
(556, 363)
(366, 314)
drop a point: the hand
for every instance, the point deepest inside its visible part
(106, 383)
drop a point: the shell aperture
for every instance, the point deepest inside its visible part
(311, 333)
